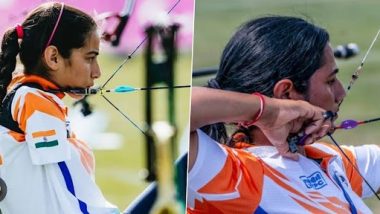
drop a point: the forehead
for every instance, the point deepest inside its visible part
(328, 66)
(91, 43)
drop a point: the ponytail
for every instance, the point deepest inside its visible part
(9, 50)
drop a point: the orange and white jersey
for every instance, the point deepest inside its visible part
(46, 169)
(259, 180)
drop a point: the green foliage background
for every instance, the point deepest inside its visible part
(346, 20)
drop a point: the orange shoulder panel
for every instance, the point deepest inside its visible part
(243, 173)
(34, 103)
(352, 174)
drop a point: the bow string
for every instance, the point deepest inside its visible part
(114, 38)
(350, 124)
(346, 124)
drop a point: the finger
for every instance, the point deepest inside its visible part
(283, 150)
(309, 140)
(321, 132)
(290, 155)
(296, 125)
(326, 127)
(314, 127)
(332, 130)
(313, 138)
(309, 111)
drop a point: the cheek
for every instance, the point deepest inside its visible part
(83, 70)
(79, 74)
(86, 68)
(322, 97)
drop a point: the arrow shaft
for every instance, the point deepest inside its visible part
(371, 120)
(93, 91)
(165, 87)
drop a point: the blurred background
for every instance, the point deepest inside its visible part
(119, 146)
(347, 21)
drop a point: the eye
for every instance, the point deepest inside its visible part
(91, 59)
(331, 81)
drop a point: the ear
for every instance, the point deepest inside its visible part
(284, 89)
(52, 58)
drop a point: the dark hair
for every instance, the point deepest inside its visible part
(266, 50)
(72, 31)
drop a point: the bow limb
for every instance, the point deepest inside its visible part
(135, 50)
(115, 36)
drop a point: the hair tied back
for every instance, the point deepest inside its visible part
(212, 83)
(19, 31)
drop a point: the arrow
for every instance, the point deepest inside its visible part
(119, 89)
(350, 124)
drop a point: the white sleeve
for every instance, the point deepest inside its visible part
(368, 161)
(210, 160)
(46, 137)
(44, 124)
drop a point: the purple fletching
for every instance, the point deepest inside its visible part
(349, 124)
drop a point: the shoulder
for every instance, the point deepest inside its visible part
(323, 148)
(36, 95)
(31, 102)
(208, 147)
(222, 174)
(215, 159)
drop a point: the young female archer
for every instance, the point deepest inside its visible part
(46, 169)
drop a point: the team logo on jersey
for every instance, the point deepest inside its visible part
(314, 181)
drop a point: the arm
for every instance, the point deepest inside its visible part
(280, 116)
(210, 106)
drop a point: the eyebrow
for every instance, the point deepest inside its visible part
(334, 72)
(92, 52)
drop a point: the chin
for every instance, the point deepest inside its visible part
(76, 96)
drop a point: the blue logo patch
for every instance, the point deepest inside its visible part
(314, 181)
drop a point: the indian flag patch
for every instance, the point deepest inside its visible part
(45, 143)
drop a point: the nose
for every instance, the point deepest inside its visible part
(95, 71)
(340, 92)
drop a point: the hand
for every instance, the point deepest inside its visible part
(282, 117)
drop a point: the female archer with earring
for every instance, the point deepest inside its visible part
(45, 168)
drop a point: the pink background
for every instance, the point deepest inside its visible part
(14, 11)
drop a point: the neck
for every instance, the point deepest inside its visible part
(261, 140)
